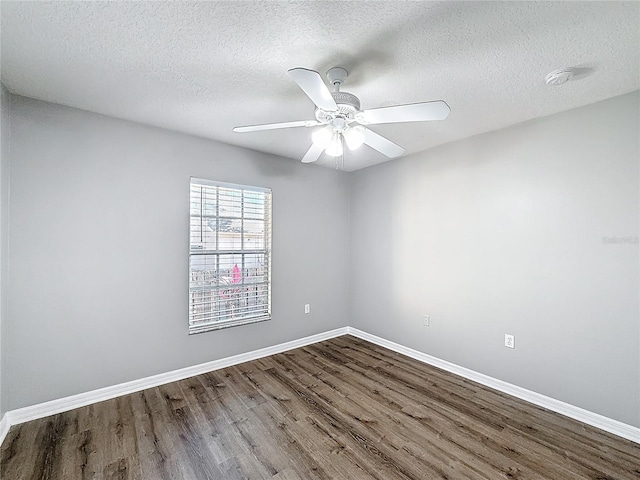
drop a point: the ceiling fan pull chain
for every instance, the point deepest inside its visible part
(340, 158)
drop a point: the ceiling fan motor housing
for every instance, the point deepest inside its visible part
(348, 106)
(346, 98)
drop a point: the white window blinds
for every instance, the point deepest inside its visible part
(229, 255)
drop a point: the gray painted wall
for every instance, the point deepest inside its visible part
(99, 242)
(503, 233)
(5, 104)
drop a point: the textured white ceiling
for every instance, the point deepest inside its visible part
(205, 67)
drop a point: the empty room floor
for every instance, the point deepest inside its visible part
(339, 409)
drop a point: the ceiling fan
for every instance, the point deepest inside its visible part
(341, 121)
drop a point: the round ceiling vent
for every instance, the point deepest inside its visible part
(558, 77)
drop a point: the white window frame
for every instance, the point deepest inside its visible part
(207, 321)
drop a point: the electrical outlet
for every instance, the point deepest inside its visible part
(426, 320)
(509, 341)
(307, 308)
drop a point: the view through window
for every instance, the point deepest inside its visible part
(229, 255)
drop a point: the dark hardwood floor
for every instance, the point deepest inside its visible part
(340, 409)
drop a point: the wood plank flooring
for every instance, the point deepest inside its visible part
(340, 409)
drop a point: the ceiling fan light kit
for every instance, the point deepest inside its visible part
(330, 138)
(334, 148)
(354, 136)
(341, 121)
(322, 136)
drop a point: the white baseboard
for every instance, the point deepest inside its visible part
(4, 427)
(599, 421)
(33, 412)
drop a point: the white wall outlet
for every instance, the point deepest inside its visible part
(307, 308)
(426, 320)
(509, 340)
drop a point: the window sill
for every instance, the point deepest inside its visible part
(207, 327)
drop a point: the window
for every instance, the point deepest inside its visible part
(229, 255)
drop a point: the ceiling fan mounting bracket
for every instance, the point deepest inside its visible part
(337, 76)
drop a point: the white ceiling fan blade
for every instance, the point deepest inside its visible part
(313, 153)
(311, 83)
(413, 112)
(384, 146)
(274, 126)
